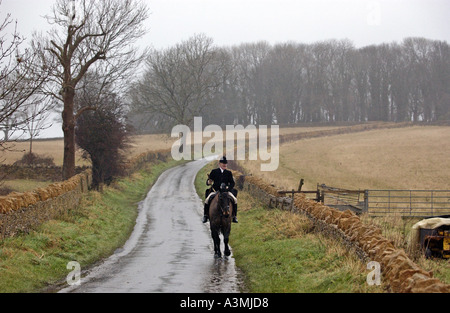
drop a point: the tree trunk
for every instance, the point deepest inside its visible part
(31, 144)
(69, 134)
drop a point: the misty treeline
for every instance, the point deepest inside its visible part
(292, 83)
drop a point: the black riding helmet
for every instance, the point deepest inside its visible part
(223, 160)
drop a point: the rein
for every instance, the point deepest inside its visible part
(221, 208)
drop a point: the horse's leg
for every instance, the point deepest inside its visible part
(226, 239)
(216, 239)
(227, 248)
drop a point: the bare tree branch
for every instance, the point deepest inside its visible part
(181, 81)
(97, 38)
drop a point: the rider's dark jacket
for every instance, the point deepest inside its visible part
(218, 177)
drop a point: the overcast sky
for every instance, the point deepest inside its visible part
(231, 22)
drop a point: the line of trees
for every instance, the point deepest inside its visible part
(291, 83)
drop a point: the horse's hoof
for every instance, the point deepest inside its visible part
(227, 253)
(217, 256)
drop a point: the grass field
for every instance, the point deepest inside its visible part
(138, 144)
(55, 148)
(24, 185)
(399, 158)
(51, 148)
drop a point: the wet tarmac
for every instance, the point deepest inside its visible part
(170, 250)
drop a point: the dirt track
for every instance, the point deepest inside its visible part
(170, 249)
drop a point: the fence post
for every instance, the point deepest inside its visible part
(389, 201)
(410, 202)
(366, 201)
(300, 186)
(319, 195)
(432, 213)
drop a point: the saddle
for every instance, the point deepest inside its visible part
(213, 194)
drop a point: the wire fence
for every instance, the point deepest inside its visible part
(412, 203)
(405, 203)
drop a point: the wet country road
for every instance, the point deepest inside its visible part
(170, 250)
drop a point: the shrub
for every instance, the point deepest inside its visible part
(35, 159)
(102, 135)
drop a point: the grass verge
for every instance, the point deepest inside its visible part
(102, 223)
(279, 252)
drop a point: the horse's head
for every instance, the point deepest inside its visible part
(224, 204)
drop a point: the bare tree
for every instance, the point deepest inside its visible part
(89, 36)
(36, 114)
(181, 81)
(18, 79)
(255, 55)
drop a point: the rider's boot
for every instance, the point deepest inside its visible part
(205, 213)
(235, 220)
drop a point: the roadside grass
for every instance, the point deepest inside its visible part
(102, 223)
(279, 252)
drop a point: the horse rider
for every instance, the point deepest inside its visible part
(216, 178)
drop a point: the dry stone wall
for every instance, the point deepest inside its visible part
(21, 212)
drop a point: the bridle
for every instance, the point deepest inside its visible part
(224, 211)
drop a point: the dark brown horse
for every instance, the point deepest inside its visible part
(220, 221)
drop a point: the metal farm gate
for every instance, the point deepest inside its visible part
(343, 199)
(408, 203)
(404, 203)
